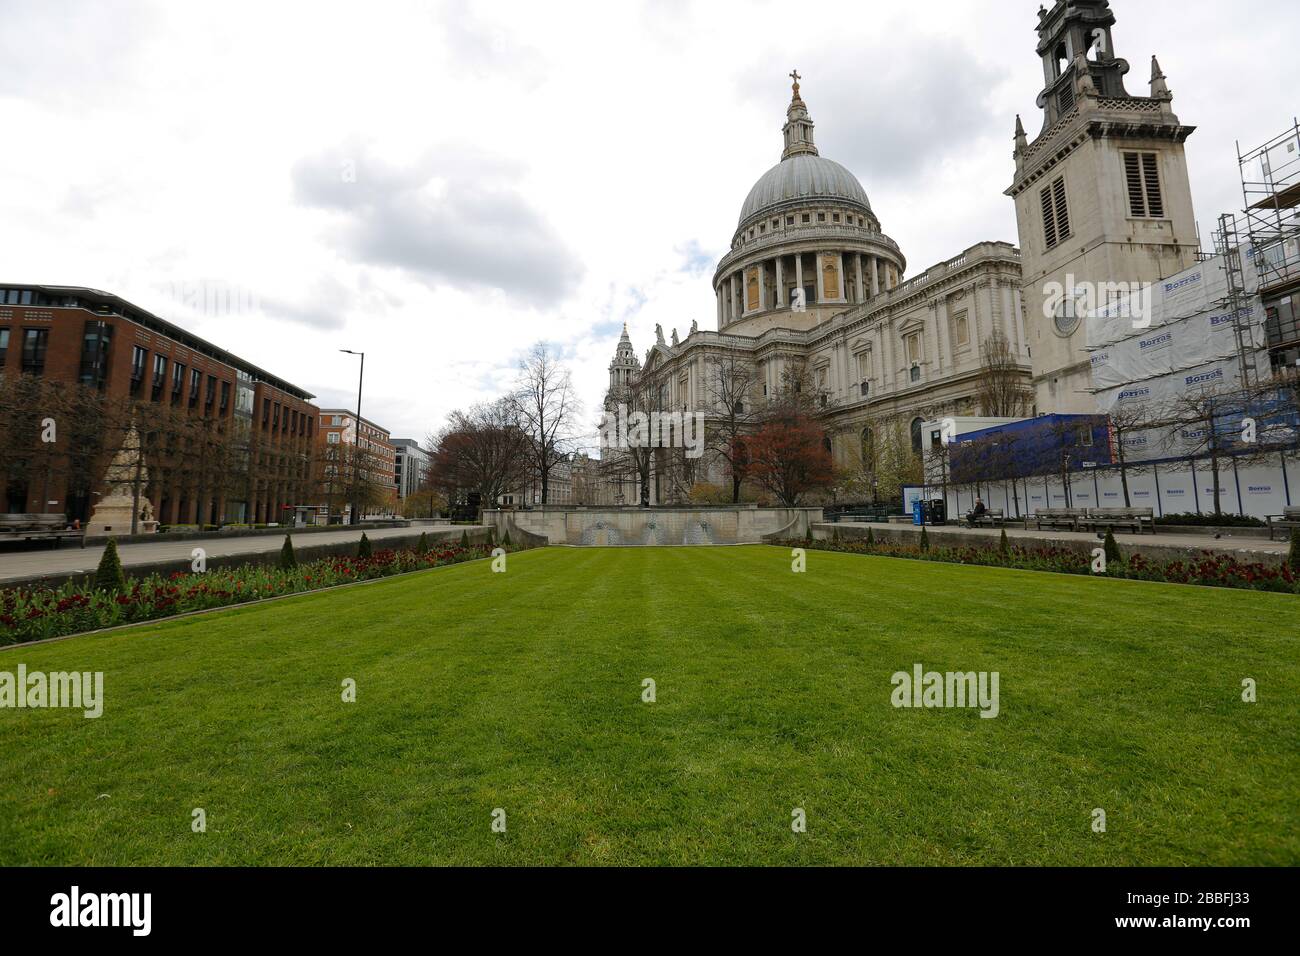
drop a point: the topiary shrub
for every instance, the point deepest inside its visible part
(871, 537)
(1004, 546)
(492, 538)
(288, 560)
(364, 550)
(505, 542)
(925, 539)
(1113, 554)
(1293, 558)
(422, 546)
(109, 576)
(464, 539)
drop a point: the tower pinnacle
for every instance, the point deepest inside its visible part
(798, 127)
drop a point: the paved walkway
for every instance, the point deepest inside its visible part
(23, 565)
(1196, 542)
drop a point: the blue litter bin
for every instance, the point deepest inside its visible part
(918, 512)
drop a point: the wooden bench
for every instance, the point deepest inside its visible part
(1138, 519)
(1059, 518)
(992, 518)
(1288, 521)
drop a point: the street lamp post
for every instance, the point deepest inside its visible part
(356, 487)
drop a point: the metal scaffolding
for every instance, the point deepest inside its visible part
(1270, 184)
(1228, 242)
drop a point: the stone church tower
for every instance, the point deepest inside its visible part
(624, 369)
(1101, 193)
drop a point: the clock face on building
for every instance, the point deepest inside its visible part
(1067, 318)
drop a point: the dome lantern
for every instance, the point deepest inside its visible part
(798, 127)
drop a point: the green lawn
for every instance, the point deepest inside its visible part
(522, 691)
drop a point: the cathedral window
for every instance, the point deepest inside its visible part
(807, 218)
(789, 220)
(821, 217)
(960, 330)
(1056, 213)
(864, 366)
(836, 217)
(1142, 172)
(913, 346)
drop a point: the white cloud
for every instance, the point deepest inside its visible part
(525, 171)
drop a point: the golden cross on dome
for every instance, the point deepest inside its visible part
(794, 75)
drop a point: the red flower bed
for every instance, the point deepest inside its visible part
(33, 615)
(1209, 569)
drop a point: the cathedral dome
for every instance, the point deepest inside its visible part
(802, 178)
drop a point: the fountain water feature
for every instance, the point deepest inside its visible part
(601, 535)
(657, 527)
(699, 532)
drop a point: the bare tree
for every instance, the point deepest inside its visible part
(729, 383)
(484, 451)
(1128, 425)
(1003, 389)
(896, 464)
(1201, 423)
(548, 410)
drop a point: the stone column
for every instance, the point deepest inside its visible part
(780, 283)
(875, 276)
(890, 355)
(798, 270)
(846, 368)
(947, 358)
(1018, 310)
(735, 298)
(842, 292)
(987, 289)
(721, 317)
(858, 287)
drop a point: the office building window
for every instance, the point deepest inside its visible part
(35, 342)
(95, 345)
(139, 356)
(159, 378)
(196, 379)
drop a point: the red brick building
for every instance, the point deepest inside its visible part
(377, 461)
(263, 427)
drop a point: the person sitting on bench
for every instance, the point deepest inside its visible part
(979, 511)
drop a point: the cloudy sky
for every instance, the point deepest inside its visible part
(443, 184)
